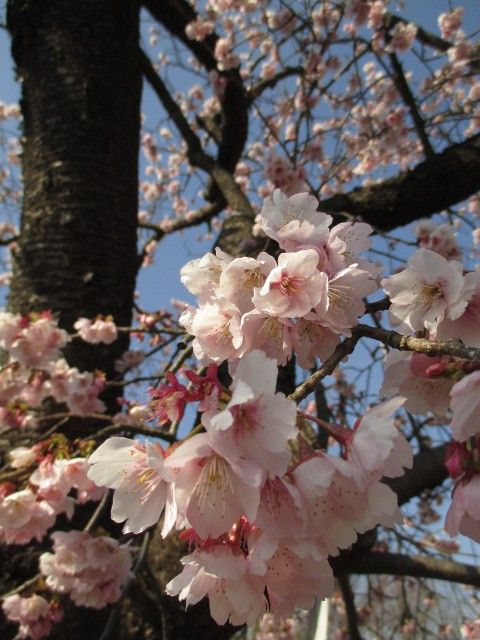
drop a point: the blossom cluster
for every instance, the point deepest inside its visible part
(92, 570)
(28, 511)
(434, 294)
(303, 301)
(262, 509)
(34, 615)
(35, 370)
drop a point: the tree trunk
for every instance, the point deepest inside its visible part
(78, 65)
(81, 88)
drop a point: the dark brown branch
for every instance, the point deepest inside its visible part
(407, 97)
(442, 181)
(223, 178)
(379, 305)
(423, 36)
(399, 565)
(432, 348)
(350, 609)
(344, 349)
(428, 471)
(204, 214)
(270, 83)
(175, 15)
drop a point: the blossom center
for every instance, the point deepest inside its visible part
(289, 285)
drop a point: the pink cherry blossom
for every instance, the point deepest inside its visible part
(23, 517)
(269, 334)
(467, 325)
(465, 404)
(141, 482)
(37, 342)
(463, 515)
(294, 582)
(241, 276)
(96, 331)
(377, 448)
(257, 422)
(34, 614)
(54, 480)
(79, 390)
(340, 309)
(312, 340)
(427, 290)
(403, 36)
(282, 513)
(222, 573)
(202, 275)
(450, 22)
(339, 503)
(406, 375)
(92, 571)
(213, 491)
(293, 288)
(216, 327)
(206, 388)
(294, 221)
(345, 241)
(169, 400)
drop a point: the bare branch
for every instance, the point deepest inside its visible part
(350, 609)
(407, 97)
(440, 182)
(431, 348)
(399, 565)
(225, 181)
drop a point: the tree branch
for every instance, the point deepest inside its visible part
(428, 471)
(440, 182)
(396, 564)
(175, 15)
(432, 348)
(407, 97)
(223, 178)
(350, 609)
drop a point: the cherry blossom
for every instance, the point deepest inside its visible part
(377, 447)
(142, 485)
(169, 400)
(406, 374)
(34, 614)
(465, 404)
(467, 325)
(216, 327)
(213, 491)
(293, 288)
(429, 289)
(91, 570)
(294, 221)
(96, 331)
(222, 573)
(463, 515)
(257, 422)
(23, 517)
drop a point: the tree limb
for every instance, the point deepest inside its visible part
(439, 182)
(175, 15)
(396, 564)
(350, 609)
(223, 178)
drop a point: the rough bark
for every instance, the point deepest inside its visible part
(81, 87)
